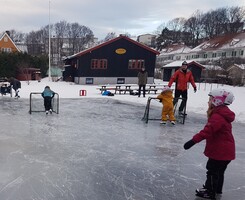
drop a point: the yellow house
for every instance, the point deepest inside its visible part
(7, 44)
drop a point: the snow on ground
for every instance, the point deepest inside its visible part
(197, 102)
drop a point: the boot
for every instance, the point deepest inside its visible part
(204, 193)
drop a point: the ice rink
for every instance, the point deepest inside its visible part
(99, 149)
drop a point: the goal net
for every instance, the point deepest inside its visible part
(37, 103)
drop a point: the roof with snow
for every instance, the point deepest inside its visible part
(240, 66)
(227, 41)
(179, 63)
(176, 49)
(111, 41)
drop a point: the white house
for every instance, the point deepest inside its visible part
(226, 46)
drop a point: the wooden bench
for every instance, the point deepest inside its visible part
(151, 88)
(104, 88)
(124, 90)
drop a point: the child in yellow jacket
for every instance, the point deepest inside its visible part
(166, 97)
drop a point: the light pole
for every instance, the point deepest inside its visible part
(49, 45)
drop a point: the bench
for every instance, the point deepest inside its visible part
(104, 88)
(124, 90)
(151, 88)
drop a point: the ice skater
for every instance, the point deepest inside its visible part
(16, 84)
(48, 95)
(220, 144)
(166, 97)
(182, 76)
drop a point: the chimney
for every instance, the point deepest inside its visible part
(8, 32)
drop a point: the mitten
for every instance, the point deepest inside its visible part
(189, 144)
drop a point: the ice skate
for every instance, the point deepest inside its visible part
(173, 122)
(163, 122)
(46, 112)
(182, 113)
(50, 110)
(204, 193)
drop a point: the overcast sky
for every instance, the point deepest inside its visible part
(135, 17)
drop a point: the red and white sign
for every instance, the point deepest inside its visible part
(83, 92)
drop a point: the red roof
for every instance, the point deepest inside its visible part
(111, 41)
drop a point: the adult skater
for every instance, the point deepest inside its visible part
(182, 76)
(16, 84)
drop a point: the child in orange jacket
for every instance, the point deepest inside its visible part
(166, 97)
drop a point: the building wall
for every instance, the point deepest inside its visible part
(110, 80)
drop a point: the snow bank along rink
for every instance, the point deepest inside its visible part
(197, 102)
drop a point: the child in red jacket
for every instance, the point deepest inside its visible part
(220, 144)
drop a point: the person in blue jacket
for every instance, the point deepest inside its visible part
(48, 95)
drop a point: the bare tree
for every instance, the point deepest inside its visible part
(235, 16)
(177, 27)
(213, 23)
(194, 25)
(79, 36)
(110, 36)
(61, 34)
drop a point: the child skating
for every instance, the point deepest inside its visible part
(166, 97)
(220, 144)
(48, 95)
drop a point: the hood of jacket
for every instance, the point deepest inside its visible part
(225, 112)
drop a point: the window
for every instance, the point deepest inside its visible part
(205, 55)
(5, 39)
(233, 54)
(241, 53)
(7, 50)
(120, 80)
(89, 80)
(136, 64)
(99, 64)
(214, 55)
(223, 54)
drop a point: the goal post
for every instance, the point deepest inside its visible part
(37, 103)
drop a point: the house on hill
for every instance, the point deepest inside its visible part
(116, 61)
(173, 52)
(195, 67)
(7, 44)
(224, 46)
(237, 74)
(210, 51)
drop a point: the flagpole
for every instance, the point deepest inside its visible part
(49, 47)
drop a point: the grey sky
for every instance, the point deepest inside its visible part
(132, 16)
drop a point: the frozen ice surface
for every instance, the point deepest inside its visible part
(99, 149)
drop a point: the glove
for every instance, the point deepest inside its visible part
(189, 144)
(195, 89)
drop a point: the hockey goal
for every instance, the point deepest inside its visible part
(37, 103)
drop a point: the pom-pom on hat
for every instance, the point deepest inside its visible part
(184, 63)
